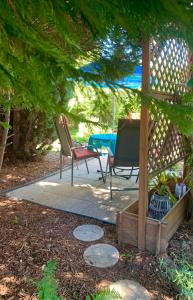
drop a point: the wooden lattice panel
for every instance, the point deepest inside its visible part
(169, 72)
(169, 66)
(165, 143)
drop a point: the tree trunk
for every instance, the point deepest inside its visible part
(30, 129)
(4, 135)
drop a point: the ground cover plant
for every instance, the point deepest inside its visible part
(180, 275)
(47, 287)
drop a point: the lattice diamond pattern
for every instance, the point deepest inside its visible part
(169, 66)
(169, 72)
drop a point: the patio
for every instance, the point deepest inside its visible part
(88, 197)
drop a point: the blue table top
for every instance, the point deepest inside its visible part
(103, 140)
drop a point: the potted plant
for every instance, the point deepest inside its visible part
(162, 199)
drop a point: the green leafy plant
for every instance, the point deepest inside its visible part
(181, 275)
(189, 161)
(126, 255)
(15, 220)
(106, 294)
(47, 286)
(161, 185)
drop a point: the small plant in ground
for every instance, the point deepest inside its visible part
(126, 255)
(105, 294)
(47, 286)
(180, 274)
(15, 220)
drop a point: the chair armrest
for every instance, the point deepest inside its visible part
(86, 147)
(93, 147)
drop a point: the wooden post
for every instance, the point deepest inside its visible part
(143, 152)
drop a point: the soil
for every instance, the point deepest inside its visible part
(31, 235)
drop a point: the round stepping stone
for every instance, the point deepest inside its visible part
(88, 233)
(101, 255)
(130, 290)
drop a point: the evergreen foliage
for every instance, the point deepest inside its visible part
(44, 44)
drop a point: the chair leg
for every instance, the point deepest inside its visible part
(101, 169)
(87, 166)
(60, 164)
(72, 171)
(110, 173)
(106, 171)
(131, 171)
(137, 178)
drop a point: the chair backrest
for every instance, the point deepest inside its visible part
(127, 144)
(64, 136)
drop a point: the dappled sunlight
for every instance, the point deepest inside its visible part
(10, 203)
(77, 275)
(4, 290)
(5, 282)
(83, 185)
(88, 196)
(11, 176)
(103, 284)
(46, 183)
(56, 145)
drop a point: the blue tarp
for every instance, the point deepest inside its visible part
(130, 81)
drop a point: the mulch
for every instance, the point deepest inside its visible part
(18, 172)
(31, 235)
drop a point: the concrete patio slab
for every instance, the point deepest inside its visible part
(89, 196)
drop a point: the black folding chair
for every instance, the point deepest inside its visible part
(125, 161)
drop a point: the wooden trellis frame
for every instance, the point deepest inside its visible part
(165, 68)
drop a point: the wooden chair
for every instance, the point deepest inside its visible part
(126, 157)
(72, 149)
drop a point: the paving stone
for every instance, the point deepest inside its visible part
(130, 290)
(101, 255)
(88, 232)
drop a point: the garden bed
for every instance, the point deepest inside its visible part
(158, 232)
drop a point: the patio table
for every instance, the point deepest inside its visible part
(103, 140)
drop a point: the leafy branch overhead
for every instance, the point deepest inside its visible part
(43, 43)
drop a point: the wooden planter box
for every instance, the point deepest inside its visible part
(158, 232)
